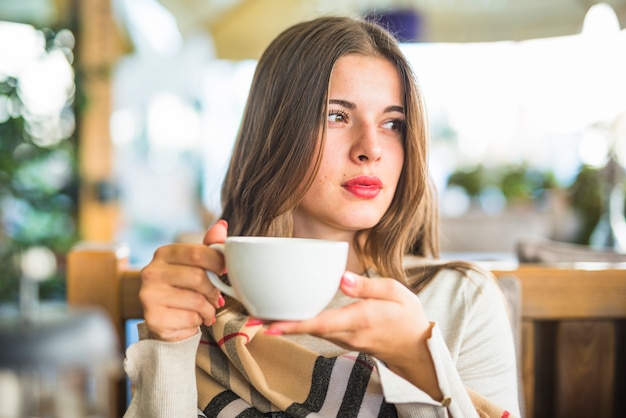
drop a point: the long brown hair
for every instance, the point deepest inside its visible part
(270, 169)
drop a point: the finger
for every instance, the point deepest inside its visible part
(252, 321)
(182, 277)
(177, 299)
(194, 255)
(166, 319)
(365, 288)
(350, 317)
(171, 324)
(216, 233)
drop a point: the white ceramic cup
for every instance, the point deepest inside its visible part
(282, 278)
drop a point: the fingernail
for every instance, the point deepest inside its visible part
(213, 321)
(223, 222)
(273, 331)
(349, 279)
(253, 322)
(221, 301)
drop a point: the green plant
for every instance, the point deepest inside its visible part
(516, 181)
(585, 196)
(522, 182)
(472, 179)
(38, 183)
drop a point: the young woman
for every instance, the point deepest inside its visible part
(333, 145)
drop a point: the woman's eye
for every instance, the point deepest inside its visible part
(395, 125)
(337, 116)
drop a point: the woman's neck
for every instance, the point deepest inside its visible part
(354, 264)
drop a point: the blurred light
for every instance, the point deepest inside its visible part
(20, 45)
(65, 38)
(37, 12)
(14, 106)
(23, 152)
(172, 124)
(4, 111)
(455, 201)
(49, 132)
(47, 84)
(508, 101)
(473, 145)
(66, 123)
(57, 168)
(25, 223)
(492, 200)
(242, 78)
(619, 140)
(601, 20)
(594, 148)
(151, 26)
(38, 263)
(566, 165)
(10, 393)
(49, 174)
(123, 126)
(162, 162)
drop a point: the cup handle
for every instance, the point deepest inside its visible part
(215, 280)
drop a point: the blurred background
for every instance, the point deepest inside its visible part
(117, 118)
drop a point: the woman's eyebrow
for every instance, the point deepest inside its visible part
(394, 109)
(351, 106)
(344, 103)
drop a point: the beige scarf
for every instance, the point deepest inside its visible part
(241, 372)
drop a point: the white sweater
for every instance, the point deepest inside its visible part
(471, 345)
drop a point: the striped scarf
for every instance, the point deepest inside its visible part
(242, 372)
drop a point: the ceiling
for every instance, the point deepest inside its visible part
(242, 28)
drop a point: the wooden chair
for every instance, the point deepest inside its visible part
(573, 326)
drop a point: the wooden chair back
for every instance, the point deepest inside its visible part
(573, 326)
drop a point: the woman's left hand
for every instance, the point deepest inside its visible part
(388, 322)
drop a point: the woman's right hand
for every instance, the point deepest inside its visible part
(176, 295)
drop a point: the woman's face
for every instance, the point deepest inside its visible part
(364, 151)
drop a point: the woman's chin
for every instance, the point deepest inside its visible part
(359, 223)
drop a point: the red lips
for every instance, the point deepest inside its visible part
(364, 187)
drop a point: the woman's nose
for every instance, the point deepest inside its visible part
(367, 146)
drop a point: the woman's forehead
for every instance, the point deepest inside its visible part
(362, 79)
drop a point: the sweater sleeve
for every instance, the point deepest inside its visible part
(486, 360)
(162, 377)
(471, 346)
(411, 401)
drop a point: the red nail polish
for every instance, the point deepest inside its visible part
(221, 301)
(253, 322)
